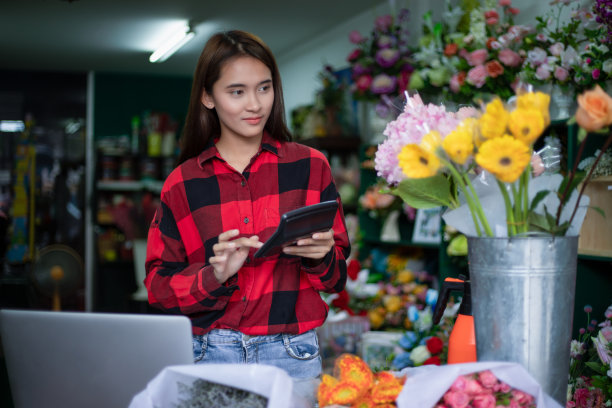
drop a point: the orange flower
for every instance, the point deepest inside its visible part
(386, 387)
(450, 49)
(494, 68)
(344, 393)
(350, 368)
(594, 109)
(325, 389)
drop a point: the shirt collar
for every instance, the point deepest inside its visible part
(267, 143)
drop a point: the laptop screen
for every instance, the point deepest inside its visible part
(78, 359)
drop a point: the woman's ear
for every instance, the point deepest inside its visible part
(207, 100)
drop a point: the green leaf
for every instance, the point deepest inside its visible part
(598, 368)
(538, 198)
(598, 210)
(578, 178)
(582, 133)
(427, 192)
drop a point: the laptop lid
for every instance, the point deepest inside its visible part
(78, 359)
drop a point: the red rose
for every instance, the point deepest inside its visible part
(450, 49)
(341, 302)
(434, 345)
(494, 68)
(354, 55)
(353, 269)
(434, 360)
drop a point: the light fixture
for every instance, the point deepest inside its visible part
(172, 44)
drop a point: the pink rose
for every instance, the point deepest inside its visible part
(522, 397)
(487, 379)
(477, 76)
(492, 20)
(505, 3)
(473, 387)
(509, 58)
(459, 384)
(484, 401)
(561, 74)
(543, 72)
(383, 23)
(355, 37)
(513, 10)
(556, 49)
(596, 73)
(502, 387)
(477, 57)
(456, 399)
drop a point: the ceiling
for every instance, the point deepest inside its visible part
(119, 35)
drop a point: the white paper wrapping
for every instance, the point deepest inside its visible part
(269, 381)
(425, 385)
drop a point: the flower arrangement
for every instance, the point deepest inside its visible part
(437, 166)
(490, 56)
(484, 389)
(553, 52)
(386, 289)
(380, 65)
(435, 57)
(354, 384)
(590, 383)
(596, 52)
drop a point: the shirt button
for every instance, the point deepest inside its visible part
(244, 299)
(246, 220)
(243, 183)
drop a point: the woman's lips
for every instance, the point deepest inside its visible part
(253, 121)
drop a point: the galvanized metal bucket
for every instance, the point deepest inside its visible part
(523, 304)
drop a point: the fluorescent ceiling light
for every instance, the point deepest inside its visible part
(172, 44)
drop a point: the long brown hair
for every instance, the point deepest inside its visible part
(201, 123)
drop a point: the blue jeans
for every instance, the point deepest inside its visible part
(297, 354)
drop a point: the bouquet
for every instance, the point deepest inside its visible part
(476, 162)
(380, 64)
(354, 384)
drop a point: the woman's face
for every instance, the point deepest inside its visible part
(243, 97)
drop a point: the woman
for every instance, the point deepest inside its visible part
(238, 173)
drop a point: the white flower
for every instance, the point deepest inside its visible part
(607, 66)
(569, 57)
(419, 354)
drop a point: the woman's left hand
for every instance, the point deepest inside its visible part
(315, 247)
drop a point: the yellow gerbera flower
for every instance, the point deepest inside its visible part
(535, 100)
(459, 144)
(494, 121)
(526, 124)
(416, 162)
(505, 157)
(431, 141)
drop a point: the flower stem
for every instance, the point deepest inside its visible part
(468, 198)
(509, 214)
(481, 214)
(588, 177)
(570, 179)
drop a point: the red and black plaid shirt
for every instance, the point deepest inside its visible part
(203, 197)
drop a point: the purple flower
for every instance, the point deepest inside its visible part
(387, 57)
(383, 84)
(359, 70)
(596, 73)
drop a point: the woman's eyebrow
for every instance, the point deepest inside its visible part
(238, 85)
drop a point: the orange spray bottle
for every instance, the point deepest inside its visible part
(462, 340)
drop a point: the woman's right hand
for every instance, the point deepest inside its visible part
(230, 254)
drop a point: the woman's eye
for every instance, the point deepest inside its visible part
(236, 92)
(264, 88)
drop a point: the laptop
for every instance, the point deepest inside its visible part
(79, 359)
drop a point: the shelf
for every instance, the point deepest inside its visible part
(595, 255)
(136, 185)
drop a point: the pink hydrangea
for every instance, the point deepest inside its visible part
(411, 125)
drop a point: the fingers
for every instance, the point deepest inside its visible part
(244, 242)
